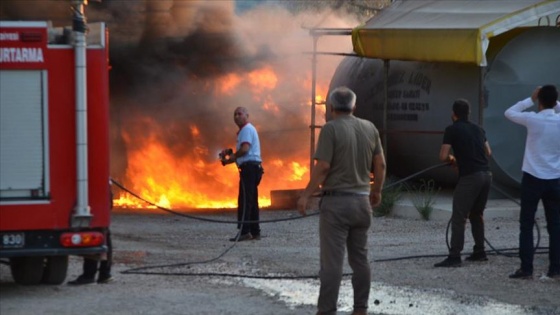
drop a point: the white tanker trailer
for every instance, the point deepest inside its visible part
(410, 101)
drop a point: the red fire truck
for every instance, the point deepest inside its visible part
(54, 146)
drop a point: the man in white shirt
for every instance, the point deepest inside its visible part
(541, 176)
(247, 157)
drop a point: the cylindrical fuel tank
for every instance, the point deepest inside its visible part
(421, 94)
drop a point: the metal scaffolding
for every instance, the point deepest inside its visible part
(316, 33)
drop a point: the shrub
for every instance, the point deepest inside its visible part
(391, 193)
(424, 196)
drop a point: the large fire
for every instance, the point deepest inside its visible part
(186, 78)
(178, 70)
(197, 180)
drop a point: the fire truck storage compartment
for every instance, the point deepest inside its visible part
(23, 148)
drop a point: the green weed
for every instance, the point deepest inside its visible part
(389, 197)
(423, 196)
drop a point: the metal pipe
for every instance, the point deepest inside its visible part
(82, 215)
(329, 31)
(386, 64)
(326, 53)
(313, 102)
(481, 95)
(316, 33)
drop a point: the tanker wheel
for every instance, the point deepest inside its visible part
(27, 270)
(55, 270)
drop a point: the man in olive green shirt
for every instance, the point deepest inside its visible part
(348, 151)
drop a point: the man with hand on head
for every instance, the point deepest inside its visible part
(541, 176)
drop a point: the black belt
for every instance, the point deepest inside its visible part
(249, 163)
(341, 193)
(479, 172)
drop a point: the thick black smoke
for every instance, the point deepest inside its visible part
(169, 58)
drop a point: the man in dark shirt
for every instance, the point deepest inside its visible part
(471, 151)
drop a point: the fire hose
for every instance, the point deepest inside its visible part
(142, 270)
(259, 221)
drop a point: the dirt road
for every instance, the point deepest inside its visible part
(201, 273)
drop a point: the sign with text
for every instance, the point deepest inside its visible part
(23, 47)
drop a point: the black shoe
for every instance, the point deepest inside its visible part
(257, 237)
(102, 279)
(554, 274)
(241, 238)
(520, 274)
(450, 262)
(477, 257)
(81, 280)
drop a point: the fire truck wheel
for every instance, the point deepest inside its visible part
(27, 270)
(55, 269)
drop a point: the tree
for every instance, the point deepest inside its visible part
(362, 9)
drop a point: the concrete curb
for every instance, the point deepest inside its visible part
(495, 208)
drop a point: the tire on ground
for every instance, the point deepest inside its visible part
(27, 270)
(55, 270)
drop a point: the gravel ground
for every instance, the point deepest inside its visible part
(190, 267)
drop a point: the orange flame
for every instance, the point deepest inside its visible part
(197, 179)
(263, 79)
(228, 83)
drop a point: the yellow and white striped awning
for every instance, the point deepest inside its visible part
(446, 31)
